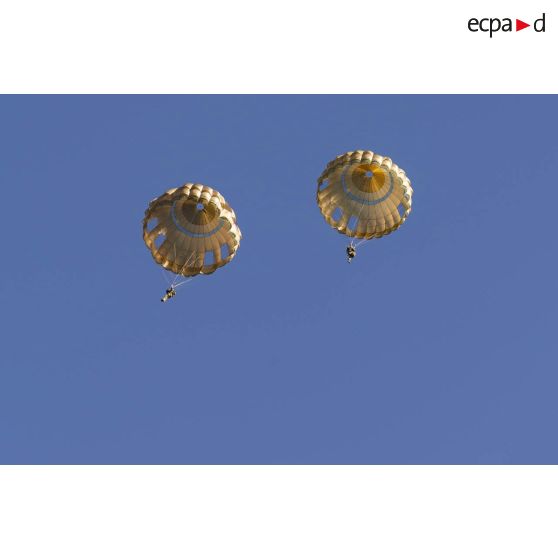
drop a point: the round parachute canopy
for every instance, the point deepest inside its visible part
(364, 195)
(191, 230)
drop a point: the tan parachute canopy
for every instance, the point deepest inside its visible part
(191, 230)
(364, 195)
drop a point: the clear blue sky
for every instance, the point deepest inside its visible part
(437, 345)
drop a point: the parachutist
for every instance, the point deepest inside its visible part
(169, 294)
(364, 196)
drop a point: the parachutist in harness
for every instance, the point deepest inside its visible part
(169, 294)
(351, 253)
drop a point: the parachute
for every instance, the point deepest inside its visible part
(191, 230)
(364, 195)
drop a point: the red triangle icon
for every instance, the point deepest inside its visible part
(519, 25)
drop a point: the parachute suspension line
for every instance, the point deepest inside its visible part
(165, 275)
(351, 249)
(182, 283)
(358, 217)
(171, 281)
(187, 262)
(176, 276)
(179, 274)
(360, 243)
(171, 291)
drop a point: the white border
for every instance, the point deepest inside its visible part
(249, 46)
(278, 511)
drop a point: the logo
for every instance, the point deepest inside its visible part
(493, 25)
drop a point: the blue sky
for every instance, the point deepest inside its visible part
(437, 345)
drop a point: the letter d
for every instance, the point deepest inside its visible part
(535, 25)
